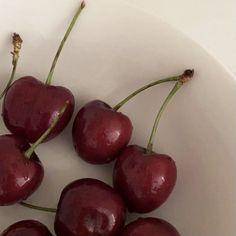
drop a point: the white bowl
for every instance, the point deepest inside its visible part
(113, 50)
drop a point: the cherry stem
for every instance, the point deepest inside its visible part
(39, 208)
(17, 43)
(120, 104)
(30, 151)
(49, 78)
(186, 76)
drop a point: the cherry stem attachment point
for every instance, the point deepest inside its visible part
(81, 7)
(39, 208)
(186, 76)
(29, 152)
(170, 79)
(17, 44)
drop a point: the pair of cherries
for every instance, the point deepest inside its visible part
(144, 179)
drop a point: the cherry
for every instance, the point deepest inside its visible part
(27, 228)
(19, 176)
(17, 44)
(21, 171)
(149, 227)
(145, 179)
(30, 105)
(100, 132)
(89, 207)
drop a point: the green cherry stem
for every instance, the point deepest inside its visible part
(170, 79)
(29, 152)
(186, 76)
(17, 43)
(81, 7)
(39, 208)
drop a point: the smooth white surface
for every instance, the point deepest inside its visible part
(113, 50)
(211, 23)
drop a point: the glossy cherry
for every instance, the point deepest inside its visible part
(149, 227)
(145, 179)
(89, 207)
(30, 105)
(100, 132)
(21, 171)
(19, 176)
(26, 228)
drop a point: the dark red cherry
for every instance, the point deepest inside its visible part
(100, 132)
(29, 107)
(144, 180)
(27, 228)
(89, 207)
(19, 176)
(149, 227)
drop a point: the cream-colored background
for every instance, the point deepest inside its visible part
(112, 50)
(212, 23)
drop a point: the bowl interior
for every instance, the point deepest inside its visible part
(113, 50)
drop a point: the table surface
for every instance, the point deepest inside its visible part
(211, 23)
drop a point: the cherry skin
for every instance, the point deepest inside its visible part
(89, 207)
(144, 180)
(19, 176)
(29, 107)
(100, 132)
(27, 228)
(149, 227)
